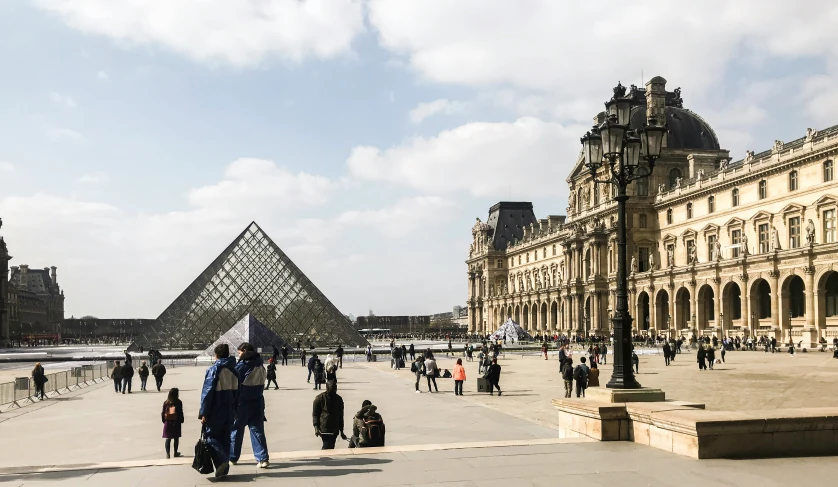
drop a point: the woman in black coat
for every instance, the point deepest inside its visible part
(701, 355)
(39, 378)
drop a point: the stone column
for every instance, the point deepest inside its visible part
(693, 307)
(717, 296)
(594, 310)
(746, 306)
(775, 303)
(810, 296)
(672, 318)
(653, 311)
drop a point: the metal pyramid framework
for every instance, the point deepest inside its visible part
(511, 330)
(252, 276)
(250, 330)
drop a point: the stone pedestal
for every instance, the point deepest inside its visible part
(606, 395)
(809, 337)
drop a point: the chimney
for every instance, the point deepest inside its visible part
(54, 275)
(656, 99)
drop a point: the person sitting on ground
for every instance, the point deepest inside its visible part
(367, 428)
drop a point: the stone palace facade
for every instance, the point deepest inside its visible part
(716, 247)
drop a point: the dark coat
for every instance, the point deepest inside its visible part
(127, 371)
(143, 371)
(158, 371)
(38, 376)
(251, 374)
(171, 429)
(271, 371)
(218, 394)
(366, 413)
(327, 413)
(493, 374)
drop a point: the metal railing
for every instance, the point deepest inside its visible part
(22, 390)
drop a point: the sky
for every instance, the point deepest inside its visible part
(138, 138)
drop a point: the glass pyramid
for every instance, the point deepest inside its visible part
(252, 276)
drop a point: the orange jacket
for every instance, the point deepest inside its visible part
(459, 372)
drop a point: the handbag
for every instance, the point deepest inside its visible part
(203, 457)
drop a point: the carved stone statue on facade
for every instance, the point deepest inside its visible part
(586, 197)
(810, 232)
(661, 188)
(651, 261)
(670, 257)
(717, 250)
(520, 284)
(558, 276)
(529, 283)
(811, 134)
(778, 146)
(693, 255)
(700, 174)
(633, 264)
(744, 244)
(537, 280)
(749, 156)
(775, 239)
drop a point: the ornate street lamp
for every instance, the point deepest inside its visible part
(626, 155)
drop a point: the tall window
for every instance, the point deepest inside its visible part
(797, 297)
(642, 187)
(764, 242)
(793, 181)
(643, 259)
(519, 260)
(669, 216)
(674, 178)
(829, 226)
(734, 197)
(828, 171)
(794, 232)
(711, 204)
(832, 295)
(643, 221)
(711, 244)
(736, 239)
(763, 190)
(500, 264)
(689, 210)
(596, 195)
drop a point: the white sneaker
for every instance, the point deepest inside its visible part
(417, 392)
(264, 464)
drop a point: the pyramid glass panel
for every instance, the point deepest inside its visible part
(251, 277)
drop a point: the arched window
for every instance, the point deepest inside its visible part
(674, 178)
(689, 210)
(763, 189)
(763, 299)
(669, 216)
(797, 297)
(711, 204)
(793, 181)
(642, 187)
(734, 197)
(832, 295)
(827, 171)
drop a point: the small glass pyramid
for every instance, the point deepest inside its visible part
(252, 276)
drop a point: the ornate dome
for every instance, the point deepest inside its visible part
(684, 128)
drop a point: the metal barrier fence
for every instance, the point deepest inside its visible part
(22, 390)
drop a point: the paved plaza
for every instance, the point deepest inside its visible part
(94, 436)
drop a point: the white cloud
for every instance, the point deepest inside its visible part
(252, 182)
(239, 33)
(531, 157)
(439, 106)
(94, 178)
(102, 76)
(63, 100)
(406, 216)
(61, 134)
(6, 167)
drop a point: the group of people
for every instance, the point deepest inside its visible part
(123, 375)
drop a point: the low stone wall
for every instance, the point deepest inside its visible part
(690, 430)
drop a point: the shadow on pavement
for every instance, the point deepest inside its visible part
(299, 474)
(53, 476)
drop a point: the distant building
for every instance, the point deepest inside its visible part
(396, 324)
(35, 302)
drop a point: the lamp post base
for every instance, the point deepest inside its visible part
(644, 394)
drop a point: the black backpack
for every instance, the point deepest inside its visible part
(372, 434)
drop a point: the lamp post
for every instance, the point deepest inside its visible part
(624, 155)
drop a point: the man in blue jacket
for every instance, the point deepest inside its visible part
(250, 406)
(218, 401)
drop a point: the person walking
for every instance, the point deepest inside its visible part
(368, 353)
(567, 377)
(275, 354)
(284, 355)
(116, 375)
(635, 360)
(40, 379)
(593, 375)
(580, 374)
(250, 406)
(218, 407)
(666, 351)
(459, 377)
(319, 373)
(327, 416)
(172, 417)
(431, 370)
(701, 356)
(412, 352)
(418, 369)
(339, 354)
(493, 376)
(563, 356)
(158, 371)
(603, 353)
(127, 377)
(711, 356)
(723, 355)
(544, 350)
(271, 375)
(311, 363)
(303, 357)
(367, 427)
(143, 373)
